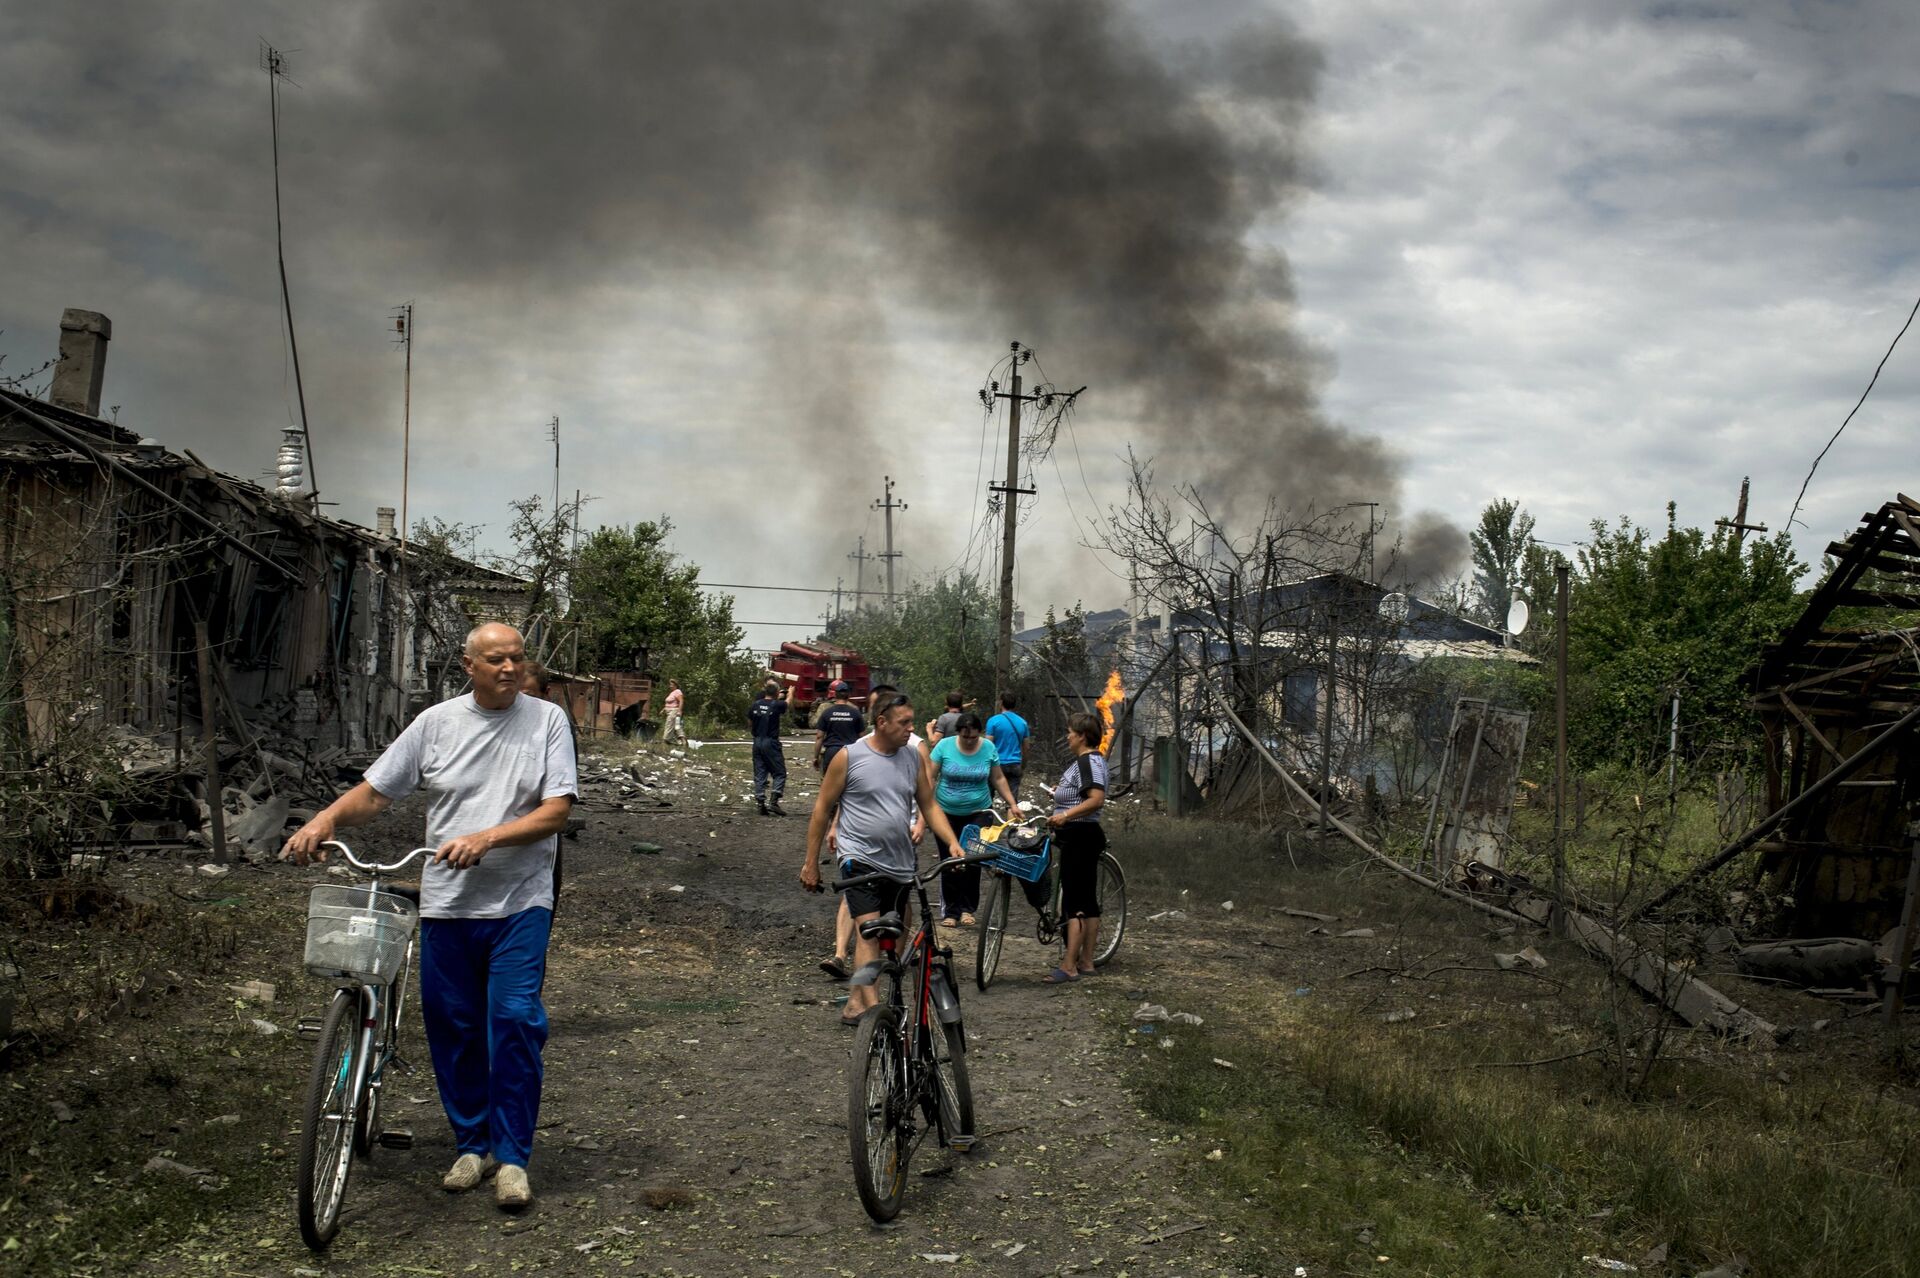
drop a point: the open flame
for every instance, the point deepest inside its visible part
(1116, 693)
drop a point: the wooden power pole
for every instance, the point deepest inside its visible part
(1010, 493)
(889, 505)
(1738, 524)
(860, 557)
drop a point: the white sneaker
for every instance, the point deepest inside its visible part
(511, 1189)
(467, 1171)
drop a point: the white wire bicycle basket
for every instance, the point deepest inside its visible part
(357, 933)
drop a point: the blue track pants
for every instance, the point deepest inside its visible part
(480, 985)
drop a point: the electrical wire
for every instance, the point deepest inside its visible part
(1856, 408)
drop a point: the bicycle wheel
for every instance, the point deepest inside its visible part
(955, 1092)
(876, 1112)
(992, 929)
(326, 1144)
(1110, 890)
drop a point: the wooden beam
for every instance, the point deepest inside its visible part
(1886, 658)
(1809, 725)
(1906, 526)
(1875, 599)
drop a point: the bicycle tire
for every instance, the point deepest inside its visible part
(991, 927)
(1110, 888)
(876, 1103)
(955, 1088)
(326, 1143)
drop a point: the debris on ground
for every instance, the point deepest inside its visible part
(1527, 958)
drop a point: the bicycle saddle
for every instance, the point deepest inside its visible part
(888, 924)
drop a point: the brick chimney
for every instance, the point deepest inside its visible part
(83, 360)
(383, 522)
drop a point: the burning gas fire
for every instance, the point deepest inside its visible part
(1116, 693)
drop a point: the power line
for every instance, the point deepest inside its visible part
(1856, 408)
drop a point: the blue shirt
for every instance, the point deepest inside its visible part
(965, 782)
(1007, 730)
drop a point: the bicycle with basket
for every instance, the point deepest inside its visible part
(1026, 854)
(363, 937)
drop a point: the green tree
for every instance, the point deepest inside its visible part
(940, 637)
(641, 607)
(1689, 612)
(1500, 546)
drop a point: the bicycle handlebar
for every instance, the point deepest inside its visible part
(373, 867)
(923, 876)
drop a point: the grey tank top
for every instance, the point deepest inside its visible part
(876, 809)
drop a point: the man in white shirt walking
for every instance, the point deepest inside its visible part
(501, 771)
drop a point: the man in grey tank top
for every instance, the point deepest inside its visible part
(875, 782)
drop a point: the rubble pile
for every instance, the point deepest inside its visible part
(638, 785)
(269, 787)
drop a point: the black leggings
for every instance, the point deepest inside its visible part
(960, 889)
(1079, 844)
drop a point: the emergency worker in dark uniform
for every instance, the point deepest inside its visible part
(837, 726)
(769, 760)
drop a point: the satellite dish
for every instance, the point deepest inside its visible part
(1517, 617)
(1394, 609)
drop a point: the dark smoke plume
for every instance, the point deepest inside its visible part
(1035, 170)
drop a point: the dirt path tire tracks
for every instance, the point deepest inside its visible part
(693, 1120)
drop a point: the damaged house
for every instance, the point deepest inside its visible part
(1838, 698)
(143, 590)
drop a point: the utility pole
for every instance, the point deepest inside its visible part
(837, 583)
(553, 428)
(274, 62)
(1010, 493)
(403, 324)
(860, 557)
(890, 554)
(1739, 523)
(573, 561)
(1560, 592)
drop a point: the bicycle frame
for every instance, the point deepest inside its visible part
(369, 1074)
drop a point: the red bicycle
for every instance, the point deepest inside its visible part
(908, 1073)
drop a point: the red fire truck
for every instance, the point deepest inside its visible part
(812, 668)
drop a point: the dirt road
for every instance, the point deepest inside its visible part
(694, 1118)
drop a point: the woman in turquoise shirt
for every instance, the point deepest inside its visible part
(966, 775)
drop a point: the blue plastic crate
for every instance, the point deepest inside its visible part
(1028, 866)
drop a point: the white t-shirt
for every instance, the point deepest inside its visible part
(482, 768)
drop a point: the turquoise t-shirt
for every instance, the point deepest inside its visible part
(965, 783)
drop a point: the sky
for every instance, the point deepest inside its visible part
(757, 257)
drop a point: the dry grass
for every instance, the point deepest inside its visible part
(1352, 1137)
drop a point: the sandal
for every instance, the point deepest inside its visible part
(949, 922)
(848, 1022)
(966, 920)
(1059, 976)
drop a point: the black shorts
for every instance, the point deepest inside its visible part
(1078, 845)
(877, 897)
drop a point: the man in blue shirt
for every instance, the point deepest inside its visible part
(769, 760)
(1008, 731)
